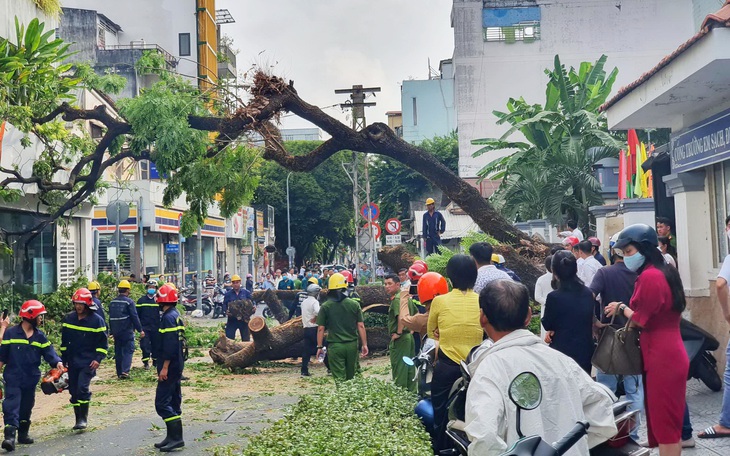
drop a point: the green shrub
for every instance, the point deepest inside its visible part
(375, 320)
(364, 416)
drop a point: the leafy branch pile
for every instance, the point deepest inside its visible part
(437, 261)
(364, 416)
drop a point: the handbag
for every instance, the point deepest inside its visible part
(618, 351)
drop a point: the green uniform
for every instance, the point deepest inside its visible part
(340, 319)
(403, 374)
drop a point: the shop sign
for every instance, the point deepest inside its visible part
(247, 250)
(235, 225)
(703, 144)
(172, 248)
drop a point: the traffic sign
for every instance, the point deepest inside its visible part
(393, 239)
(117, 212)
(375, 227)
(393, 226)
(370, 213)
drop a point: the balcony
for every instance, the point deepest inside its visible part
(226, 63)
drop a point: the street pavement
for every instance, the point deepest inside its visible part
(704, 409)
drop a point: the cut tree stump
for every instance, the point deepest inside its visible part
(396, 257)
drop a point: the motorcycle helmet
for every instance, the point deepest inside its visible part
(348, 276)
(571, 241)
(55, 381)
(313, 290)
(637, 233)
(166, 294)
(417, 270)
(432, 284)
(424, 411)
(83, 296)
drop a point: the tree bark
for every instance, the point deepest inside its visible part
(396, 257)
(281, 313)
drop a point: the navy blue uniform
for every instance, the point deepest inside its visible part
(82, 341)
(101, 313)
(233, 323)
(168, 397)
(123, 320)
(22, 358)
(149, 317)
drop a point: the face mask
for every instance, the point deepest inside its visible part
(634, 262)
(151, 291)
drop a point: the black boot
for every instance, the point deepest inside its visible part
(23, 436)
(175, 432)
(82, 414)
(166, 440)
(9, 442)
(146, 365)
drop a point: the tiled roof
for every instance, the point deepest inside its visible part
(719, 19)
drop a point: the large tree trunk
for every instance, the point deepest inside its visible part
(369, 294)
(396, 257)
(281, 342)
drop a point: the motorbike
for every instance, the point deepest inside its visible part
(189, 301)
(423, 363)
(619, 445)
(702, 365)
(218, 297)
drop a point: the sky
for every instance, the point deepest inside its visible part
(323, 45)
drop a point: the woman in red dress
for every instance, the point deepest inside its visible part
(656, 306)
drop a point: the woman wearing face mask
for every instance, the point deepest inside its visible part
(569, 312)
(656, 306)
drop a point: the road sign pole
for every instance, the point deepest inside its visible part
(119, 245)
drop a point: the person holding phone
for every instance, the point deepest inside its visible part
(21, 351)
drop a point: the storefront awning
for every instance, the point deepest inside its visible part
(101, 224)
(168, 221)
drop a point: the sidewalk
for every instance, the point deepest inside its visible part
(704, 409)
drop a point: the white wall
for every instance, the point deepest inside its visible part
(25, 10)
(634, 38)
(155, 22)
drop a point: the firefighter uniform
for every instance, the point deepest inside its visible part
(100, 310)
(149, 317)
(168, 397)
(234, 323)
(123, 320)
(22, 359)
(82, 341)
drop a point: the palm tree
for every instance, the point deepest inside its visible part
(550, 174)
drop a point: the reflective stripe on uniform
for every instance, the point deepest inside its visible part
(25, 342)
(172, 418)
(147, 305)
(83, 328)
(118, 318)
(174, 328)
(101, 350)
(41, 345)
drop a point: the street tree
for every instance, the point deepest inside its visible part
(200, 152)
(550, 174)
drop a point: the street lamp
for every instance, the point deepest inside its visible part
(289, 249)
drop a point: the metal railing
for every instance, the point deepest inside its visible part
(225, 54)
(169, 58)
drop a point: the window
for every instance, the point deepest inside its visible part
(184, 40)
(415, 112)
(102, 38)
(511, 24)
(721, 203)
(144, 169)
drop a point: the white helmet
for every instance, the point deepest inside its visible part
(612, 242)
(313, 290)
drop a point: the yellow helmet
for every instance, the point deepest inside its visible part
(235, 278)
(124, 284)
(336, 282)
(313, 280)
(94, 286)
(430, 201)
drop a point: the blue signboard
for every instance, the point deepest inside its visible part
(703, 144)
(172, 248)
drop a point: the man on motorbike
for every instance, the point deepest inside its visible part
(570, 394)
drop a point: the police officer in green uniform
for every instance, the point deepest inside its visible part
(401, 339)
(342, 318)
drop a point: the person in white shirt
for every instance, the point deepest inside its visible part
(664, 248)
(481, 252)
(310, 310)
(573, 230)
(543, 287)
(569, 394)
(587, 264)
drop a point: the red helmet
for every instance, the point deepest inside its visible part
(595, 241)
(571, 241)
(167, 294)
(421, 262)
(348, 276)
(83, 295)
(417, 270)
(432, 284)
(31, 309)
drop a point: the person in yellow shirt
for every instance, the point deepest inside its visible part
(454, 317)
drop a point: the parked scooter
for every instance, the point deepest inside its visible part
(702, 365)
(189, 301)
(423, 362)
(218, 298)
(619, 445)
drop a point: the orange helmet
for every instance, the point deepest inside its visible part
(417, 270)
(31, 309)
(167, 294)
(348, 276)
(571, 241)
(83, 296)
(432, 284)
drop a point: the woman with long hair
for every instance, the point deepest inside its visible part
(454, 316)
(569, 312)
(656, 306)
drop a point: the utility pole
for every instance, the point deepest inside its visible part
(357, 104)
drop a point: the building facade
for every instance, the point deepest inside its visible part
(503, 46)
(427, 106)
(689, 92)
